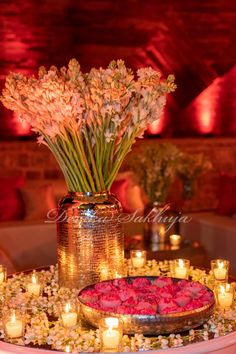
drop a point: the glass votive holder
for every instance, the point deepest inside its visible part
(225, 295)
(13, 324)
(3, 274)
(175, 240)
(68, 349)
(33, 286)
(69, 315)
(138, 258)
(111, 333)
(220, 269)
(181, 268)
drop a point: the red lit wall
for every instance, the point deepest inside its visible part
(194, 40)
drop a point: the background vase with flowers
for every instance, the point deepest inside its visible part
(188, 171)
(155, 171)
(89, 121)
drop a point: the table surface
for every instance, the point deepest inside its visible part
(221, 345)
(192, 250)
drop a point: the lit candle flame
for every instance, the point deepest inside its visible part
(181, 263)
(138, 254)
(221, 265)
(222, 289)
(67, 308)
(34, 279)
(111, 322)
(13, 317)
(67, 349)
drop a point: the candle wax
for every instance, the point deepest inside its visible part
(14, 329)
(111, 338)
(69, 319)
(138, 262)
(181, 272)
(34, 289)
(175, 240)
(2, 276)
(220, 273)
(225, 299)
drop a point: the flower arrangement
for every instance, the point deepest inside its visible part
(189, 169)
(159, 165)
(124, 297)
(88, 120)
(191, 166)
(156, 170)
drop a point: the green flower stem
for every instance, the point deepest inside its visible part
(67, 158)
(99, 152)
(118, 163)
(100, 159)
(80, 168)
(99, 185)
(108, 160)
(75, 167)
(99, 149)
(61, 162)
(83, 157)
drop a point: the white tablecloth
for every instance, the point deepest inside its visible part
(220, 345)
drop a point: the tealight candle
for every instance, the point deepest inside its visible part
(225, 295)
(3, 274)
(69, 316)
(67, 349)
(175, 240)
(138, 258)
(13, 325)
(220, 269)
(111, 332)
(34, 287)
(181, 268)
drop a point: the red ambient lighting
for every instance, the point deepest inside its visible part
(205, 116)
(20, 128)
(156, 127)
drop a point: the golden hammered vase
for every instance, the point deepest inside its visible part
(90, 239)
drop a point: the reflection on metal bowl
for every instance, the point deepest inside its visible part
(151, 324)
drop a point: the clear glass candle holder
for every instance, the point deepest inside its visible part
(13, 324)
(68, 349)
(69, 314)
(3, 274)
(175, 240)
(220, 269)
(111, 333)
(34, 286)
(138, 258)
(225, 295)
(181, 268)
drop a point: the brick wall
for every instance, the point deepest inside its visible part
(37, 163)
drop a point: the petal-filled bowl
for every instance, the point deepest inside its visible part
(148, 305)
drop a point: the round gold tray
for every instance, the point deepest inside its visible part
(151, 324)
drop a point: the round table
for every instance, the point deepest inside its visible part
(221, 345)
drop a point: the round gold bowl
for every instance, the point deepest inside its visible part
(151, 324)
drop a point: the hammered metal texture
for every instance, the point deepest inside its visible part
(90, 240)
(152, 324)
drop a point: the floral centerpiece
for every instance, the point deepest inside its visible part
(156, 170)
(189, 169)
(89, 121)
